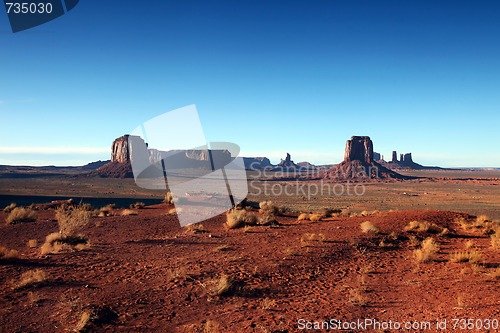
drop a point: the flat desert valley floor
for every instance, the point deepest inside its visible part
(417, 253)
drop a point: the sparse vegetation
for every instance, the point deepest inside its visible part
(307, 239)
(172, 211)
(10, 207)
(303, 217)
(6, 253)
(268, 212)
(419, 226)
(196, 228)
(138, 205)
(237, 218)
(169, 198)
(427, 252)
(315, 217)
(31, 278)
(473, 256)
(21, 214)
(128, 212)
(495, 238)
(71, 219)
(224, 286)
(369, 228)
(32, 243)
(357, 298)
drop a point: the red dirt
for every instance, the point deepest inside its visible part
(156, 277)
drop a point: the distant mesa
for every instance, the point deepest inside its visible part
(254, 163)
(405, 162)
(359, 163)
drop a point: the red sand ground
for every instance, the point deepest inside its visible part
(157, 277)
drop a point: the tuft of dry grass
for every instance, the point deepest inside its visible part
(32, 243)
(481, 219)
(268, 211)
(196, 228)
(419, 226)
(172, 211)
(138, 205)
(71, 219)
(427, 252)
(369, 228)
(315, 217)
(307, 239)
(31, 278)
(237, 218)
(303, 217)
(495, 239)
(211, 327)
(224, 286)
(10, 207)
(6, 253)
(21, 214)
(84, 322)
(473, 256)
(169, 198)
(128, 212)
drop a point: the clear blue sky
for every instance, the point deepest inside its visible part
(272, 76)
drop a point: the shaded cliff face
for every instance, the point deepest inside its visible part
(120, 150)
(359, 148)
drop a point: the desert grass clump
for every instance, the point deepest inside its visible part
(169, 198)
(128, 212)
(138, 205)
(32, 243)
(21, 214)
(32, 278)
(10, 208)
(303, 217)
(238, 218)
(369, 228)
(224, 286)
(268, 211)
(172, 211)
(71, 219)
(473, 256)
(6, 253)
(427, 252)
(196, 228)
(315, 217)
(495, 239)
(307, 239)
(424, 227)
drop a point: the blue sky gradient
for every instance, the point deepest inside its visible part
(272, 76)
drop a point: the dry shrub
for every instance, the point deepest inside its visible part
(473, 257)
(329, 212)
(238, 218)
(315, 217)
(10, 208)
(106, 210)
(481, 219)
(495, 239)
(424, 226)
(463, 223)
(21, 214)
(469, 245)
(71, 219)
(196, 228)
(138, 205)
(307, 239)
(32, 243)
(268, 211)
(84, 322)
(224, 286)
(31, 278)
(169, 198)
(172, 211)
(369, 228)
(427, 252)
(6, 253)
(128, 212)
(303, 217)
